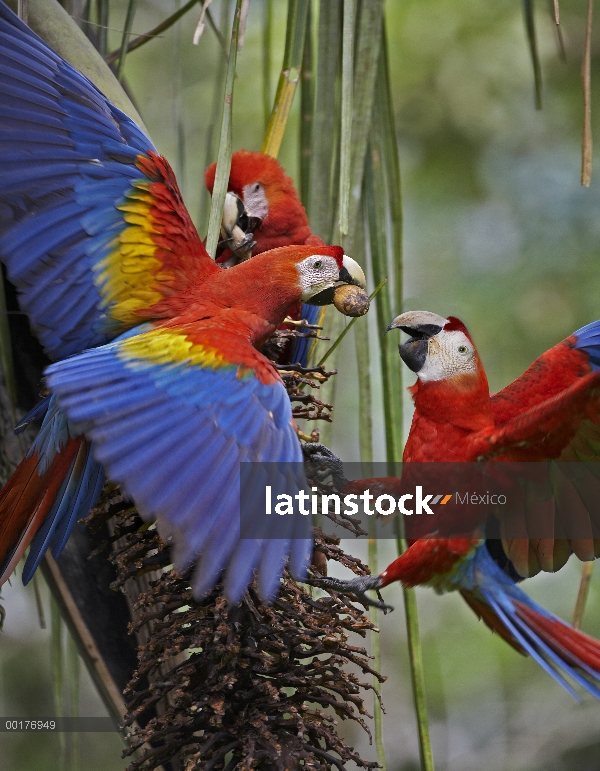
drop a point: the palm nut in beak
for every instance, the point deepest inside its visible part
(351, 300)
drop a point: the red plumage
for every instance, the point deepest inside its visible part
(228, 312)
(26, 501)
(551, 412)
(427, 560)
(570, 644)
(278, 219)
(258, 288)
(544, 414)
(183, 259)
(285, 222)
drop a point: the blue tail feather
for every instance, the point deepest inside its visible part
(37, 413)
(551, 642)
(301, 346)
(86, 500)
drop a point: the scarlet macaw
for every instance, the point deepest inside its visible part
(551, 412)
(263, 211)
(271, 209)
(167, 392)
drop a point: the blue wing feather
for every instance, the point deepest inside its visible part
(588, 339)
(89, 492)
(67, 159)
(246, 555)
(170, 434)
(37, 413)
(219, 547)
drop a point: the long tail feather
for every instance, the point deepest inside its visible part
(26, 500)
(565, 653)
(554, 664)
(576, 647)
(78, 493)
(302, 345)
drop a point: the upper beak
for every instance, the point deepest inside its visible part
(421, 326)
(236, 233)
(350, 273)
(232, 211)
(419, 323)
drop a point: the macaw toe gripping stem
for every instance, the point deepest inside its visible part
(356, 586)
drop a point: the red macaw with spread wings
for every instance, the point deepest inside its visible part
(157, 381)
(550, 413)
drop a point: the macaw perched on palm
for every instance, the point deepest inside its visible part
(263, 211)
(158, 382)
(551, 412)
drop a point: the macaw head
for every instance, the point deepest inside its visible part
(262, 209)
(438, 349)
(323, 270)
(273, 283)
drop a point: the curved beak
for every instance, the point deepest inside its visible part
(236, 234)
(350, 273)
(233, 210)
(420, 326)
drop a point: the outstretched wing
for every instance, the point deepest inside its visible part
(553, 408)
(550, 374)
(93, 230)
(552, 412)
(172, 418)
(546, 431)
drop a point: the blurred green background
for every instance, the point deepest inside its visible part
(499, 232)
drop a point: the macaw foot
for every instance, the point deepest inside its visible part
(239, 243)
(356, 586)
(320, 457)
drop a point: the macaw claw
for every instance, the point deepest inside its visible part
(356, 586)
(322, 457)
(239, 243)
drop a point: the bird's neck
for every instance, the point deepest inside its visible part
(267, 289)
(250, 300)
(462, 400)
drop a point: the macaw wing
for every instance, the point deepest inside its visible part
(550, 374)
(172, 418)
(93, 230)
(565, 428)
(545, 431)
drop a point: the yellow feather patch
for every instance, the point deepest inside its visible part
(167, 347)
(127, 277)
(136, 236)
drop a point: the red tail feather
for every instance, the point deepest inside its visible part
(491, 620)
(570, 644)
(25, 502)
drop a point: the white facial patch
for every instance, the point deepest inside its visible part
(317, 272)
(448, 354)
(255, 200)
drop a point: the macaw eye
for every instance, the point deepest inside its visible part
(462, 349)
(256, 187)
(318, 264)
